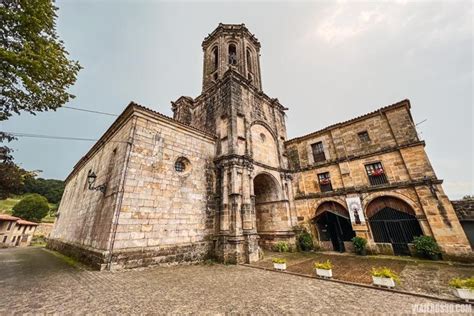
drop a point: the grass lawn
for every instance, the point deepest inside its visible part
(7, 205)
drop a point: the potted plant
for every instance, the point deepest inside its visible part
(279, 264)
(323, 269)
(384, 277)
(463, 288)
(360, 245)
(281, 246)
(426, 246)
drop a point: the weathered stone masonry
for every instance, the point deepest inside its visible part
(221, 179)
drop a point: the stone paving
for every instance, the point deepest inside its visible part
(34, 280)
(416, 276)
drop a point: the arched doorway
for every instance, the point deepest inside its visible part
(266, 191)
(393, 221)
(334, 225)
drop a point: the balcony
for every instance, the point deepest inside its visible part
(319, 157)
(378, 179)
(325, 185)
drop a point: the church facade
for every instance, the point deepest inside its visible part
(220, 179)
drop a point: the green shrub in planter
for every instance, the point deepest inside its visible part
(305, 241)
(427, 247)
(323, 265)
(462, 283)
(385, 272)
(360, 245)
(279, 260)
(281, 246)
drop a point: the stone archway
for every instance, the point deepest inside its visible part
(271, 212)
(266, 191)
(333, 225)
(393, 221)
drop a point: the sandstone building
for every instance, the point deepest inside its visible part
(15, 232)
(221, 178)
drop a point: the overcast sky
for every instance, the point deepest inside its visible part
(326, 61)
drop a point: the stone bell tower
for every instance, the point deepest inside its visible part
(231, 46)
(253, 199)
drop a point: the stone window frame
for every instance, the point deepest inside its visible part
(364, 137)
(376, 179)
(325, 187)
(309, 148)
(186, 164)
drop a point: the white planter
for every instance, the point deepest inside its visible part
(464, 294)
(384, 282)
(324, 273)
(279, 266)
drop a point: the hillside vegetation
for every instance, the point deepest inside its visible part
(6, 207)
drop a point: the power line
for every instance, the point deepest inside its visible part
(57, 137)
(90, 111)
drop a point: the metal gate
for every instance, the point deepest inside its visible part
(395, 227)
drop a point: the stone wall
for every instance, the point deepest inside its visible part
(464, 209)
(44, 229)
(86, 216)
(410, 177)
(162, 208)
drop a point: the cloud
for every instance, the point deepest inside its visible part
(346, 21)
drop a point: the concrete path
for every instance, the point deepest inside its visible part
(33, 280)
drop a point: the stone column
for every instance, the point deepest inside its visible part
(224, 214)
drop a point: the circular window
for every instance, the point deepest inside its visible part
(262, 137)
(182, 165)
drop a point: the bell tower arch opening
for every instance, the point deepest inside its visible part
(231, 46)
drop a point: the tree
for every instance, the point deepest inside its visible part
(50, 188)
(33, 207)
(11, 176)
(35, 72)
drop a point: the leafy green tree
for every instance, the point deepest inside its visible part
(50, 188)
(33, 207)
(35, 72)
(11, 176)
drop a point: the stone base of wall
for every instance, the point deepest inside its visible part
(176, 254)
(268, 240)
(92, 257)
(230, 249)
(133, 258)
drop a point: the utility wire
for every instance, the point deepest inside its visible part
(85, 110)
(56, 137)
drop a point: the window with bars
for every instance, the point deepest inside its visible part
(364, 137)
(376, 173)
(179, 166)
(324, 182)
(318, 152)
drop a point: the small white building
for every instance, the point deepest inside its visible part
(15, 232)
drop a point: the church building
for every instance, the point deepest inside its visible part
(221, 180)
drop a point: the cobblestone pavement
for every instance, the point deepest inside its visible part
(416, 276)
(37, 281)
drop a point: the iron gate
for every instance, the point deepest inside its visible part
(395, 227)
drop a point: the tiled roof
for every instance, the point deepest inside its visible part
(6, 217)
(358, 118)
(172, 119)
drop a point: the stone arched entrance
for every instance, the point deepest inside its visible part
(393, 221)
(266, 192)
(271, 211)
(333, 225)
